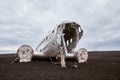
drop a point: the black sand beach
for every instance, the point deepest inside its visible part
(103, 65)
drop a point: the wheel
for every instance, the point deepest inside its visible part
(25, 53)
(82, 55)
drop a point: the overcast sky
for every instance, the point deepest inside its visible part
(27, 21)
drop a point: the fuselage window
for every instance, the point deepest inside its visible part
(53, 31)
(53, 43)
(58, 26)
(46, 38)
(43, 40)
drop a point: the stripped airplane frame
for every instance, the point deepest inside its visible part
(59, 42)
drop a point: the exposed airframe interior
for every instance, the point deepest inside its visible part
(72, 33)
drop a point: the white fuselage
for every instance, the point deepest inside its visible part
(65, 34)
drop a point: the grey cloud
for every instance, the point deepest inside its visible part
(26, 21)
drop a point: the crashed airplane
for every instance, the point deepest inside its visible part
(59, 43)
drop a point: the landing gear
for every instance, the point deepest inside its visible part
(63, 60)
(63, 51)
(62, 56)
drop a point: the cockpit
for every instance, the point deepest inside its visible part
(71, 32)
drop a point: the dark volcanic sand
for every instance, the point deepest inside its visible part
(100, 66)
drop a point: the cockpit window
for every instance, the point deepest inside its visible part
(58, 26)
(53, 31)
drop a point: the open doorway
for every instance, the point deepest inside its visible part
(70, 36)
